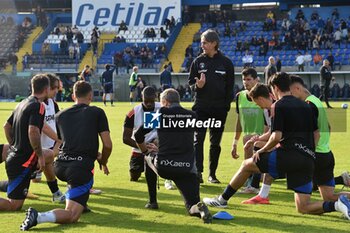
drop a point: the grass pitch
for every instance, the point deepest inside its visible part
(121, 206)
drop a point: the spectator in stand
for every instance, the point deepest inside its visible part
(64, 46)
(262, 51)
(172, 23)
(239, 46)
(150, 58)
(163, 33)
(79, 37)
(146, 33)
(254, 41)
(272, 43)
(37, 13)
(270, 69)
(152, 33)
(167, 23)
(197, 37)
(337, 61)
(25, 60)
(118, 39)
(75, 29)
(300, 62)
(300, 15)
(165, 78)
(188, 63)
(307, 60)
(317, 60)
(314, 15)
(227, 31)
(71, 51)
(69, 35)
(315, 44)
(77, 51)
(13, 59)
(122, 26)
(330, 59)
(247, 59)
(246, 45)
(329, 26)
(335, 14)
(278, 64)
(337, 37)
(286, 24)
(94, 39)
(46, 49)
(344, 29)
(189, 51)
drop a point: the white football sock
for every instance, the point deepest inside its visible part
(46, 217)
(336, 206)
(264, 191)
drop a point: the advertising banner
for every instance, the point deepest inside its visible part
(135, 13)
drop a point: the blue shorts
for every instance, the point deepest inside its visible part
(132, 88)
(297, 167)
(79, 181)
(108, 88)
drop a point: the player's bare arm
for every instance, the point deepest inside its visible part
(8, 132)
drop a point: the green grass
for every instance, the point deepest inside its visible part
(121, 206)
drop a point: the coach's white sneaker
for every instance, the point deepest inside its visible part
(58, 197)
(346, 178)
(168, 184)
(215, 202)
(343, 206)
(95, 191)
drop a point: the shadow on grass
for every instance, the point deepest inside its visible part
(282, 226)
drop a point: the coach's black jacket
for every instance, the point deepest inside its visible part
(218, 89)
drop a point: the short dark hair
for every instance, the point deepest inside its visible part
(296, 79)
(39, 83)
(259, 90)
(107, 66)
(81, 89)
(211, 36)
(281, 80)
(250, 71)
(149, 92)
(53, 79)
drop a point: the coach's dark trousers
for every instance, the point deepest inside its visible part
(215, 139)
(187, 184)
(325, 93)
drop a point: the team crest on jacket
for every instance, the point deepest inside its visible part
(201, 66)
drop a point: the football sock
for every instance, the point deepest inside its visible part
(255, 183)
(264, 191)
(329, 206)
(339, 180)
(3, 185)
(53, 186)
(46, 217)
(228, 193)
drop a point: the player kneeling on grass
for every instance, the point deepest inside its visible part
(25, 154)
(175, 158)
(295, 129)
(75, 161)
